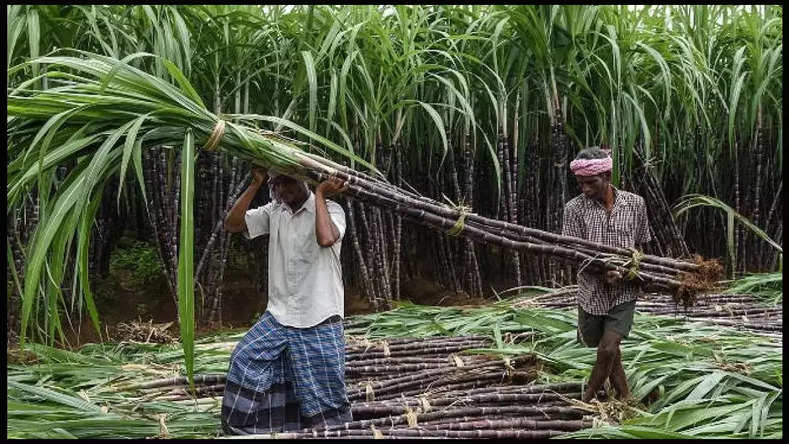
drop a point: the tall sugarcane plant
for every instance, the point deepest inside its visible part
(123, 111)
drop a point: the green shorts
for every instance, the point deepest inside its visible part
(591, 327)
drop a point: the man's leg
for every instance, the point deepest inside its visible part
(620, 319)
(606, 352)
(319, 368)
(254, 400)
(618, 377)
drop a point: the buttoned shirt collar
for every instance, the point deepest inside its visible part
(308, 205)
(618, 200)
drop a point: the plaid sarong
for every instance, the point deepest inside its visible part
(285, 378)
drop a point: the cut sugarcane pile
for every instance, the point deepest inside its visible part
(426, 387)
(733, 310)
(696, 380)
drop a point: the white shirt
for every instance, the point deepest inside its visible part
(304, 279)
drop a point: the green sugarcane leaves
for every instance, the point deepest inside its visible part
(186, 296)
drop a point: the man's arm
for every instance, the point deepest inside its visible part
(235, 220)
(325, 231)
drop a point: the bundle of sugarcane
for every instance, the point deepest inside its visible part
(684, 279)
(99, 100)
(492, 412)
(519, 411)
(381, 369)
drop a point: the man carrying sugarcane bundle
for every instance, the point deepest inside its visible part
(606, 304)
(288, 372)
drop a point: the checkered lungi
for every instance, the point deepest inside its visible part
(285, 378)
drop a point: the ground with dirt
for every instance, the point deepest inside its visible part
(119, 299)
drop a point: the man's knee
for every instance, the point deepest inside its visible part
(608, 348)
(606, 352)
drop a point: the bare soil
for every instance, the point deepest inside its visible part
(119, 298)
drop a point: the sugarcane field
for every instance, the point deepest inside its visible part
(394, 221)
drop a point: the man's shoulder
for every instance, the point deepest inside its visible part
(575, 202)
(270, 206)
(631, 197)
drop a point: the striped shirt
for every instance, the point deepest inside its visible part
(626, 226)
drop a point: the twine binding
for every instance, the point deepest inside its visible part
(459, 225)
(216, 135)
(410, 416)
(369, 393)
(386, 349)
(425, 403)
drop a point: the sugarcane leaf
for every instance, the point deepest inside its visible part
(183, 82)
(691, 416)
(111, 74)
(316, 137)
(647, 388)
(312, 78)
(497, 336)
(52, 158)
(651, 433)
(59, 398)
(332, 100)
(186, 256)
(128, 148)
(33, 35)
(42, 239)
(753, 381)
(439, 126)
(137, 158)
(705, 386)
(83, 248)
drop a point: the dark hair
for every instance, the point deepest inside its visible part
(593, 152)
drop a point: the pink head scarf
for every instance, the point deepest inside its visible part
(591, 167)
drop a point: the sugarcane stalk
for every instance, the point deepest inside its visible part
(451, 413)
(174, 381)
(441, 224)
(366, 282)
(378, 192)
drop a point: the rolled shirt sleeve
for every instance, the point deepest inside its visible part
(258, 221)
(642, 235)
(337, 215)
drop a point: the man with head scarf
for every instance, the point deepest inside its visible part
(606, 215)
(288, 371)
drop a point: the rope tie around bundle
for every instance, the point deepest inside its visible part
(410, 416)
(216, 135)
(456, 229)
(368, 391)
(385, 346)
(508, 368)
(633, 263)
(425, 403)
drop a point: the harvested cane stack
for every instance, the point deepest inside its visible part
(684, 279)
(425, 387)
(734, 310)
